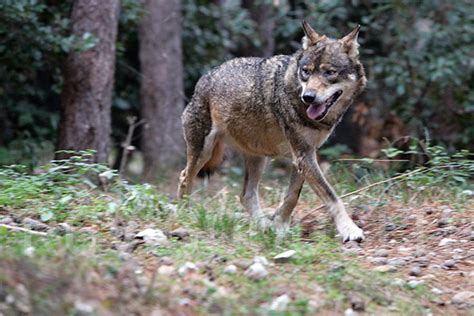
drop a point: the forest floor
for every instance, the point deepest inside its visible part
(71, 246)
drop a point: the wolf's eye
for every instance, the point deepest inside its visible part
(329, 73)
(305, 73)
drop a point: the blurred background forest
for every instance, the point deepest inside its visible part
(66, 64)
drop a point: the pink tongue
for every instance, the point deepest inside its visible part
(315, 111)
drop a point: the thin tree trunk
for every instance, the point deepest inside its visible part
(88, 80)
(162, 85)
(261, 11)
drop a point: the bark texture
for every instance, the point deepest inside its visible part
(88, 80)
(162, 85)
(261, 11)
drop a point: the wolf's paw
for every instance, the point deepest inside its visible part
(349, 231)
(282, 227)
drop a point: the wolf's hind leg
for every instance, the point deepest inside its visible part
(282, 215)
(196, 159)
(254, 166)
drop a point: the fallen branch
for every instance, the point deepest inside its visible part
(24, 230)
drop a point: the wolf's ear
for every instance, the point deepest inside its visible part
(350, 42)
(311, 37)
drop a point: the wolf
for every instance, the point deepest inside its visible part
(285, 105)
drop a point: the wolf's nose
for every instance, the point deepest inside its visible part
(309, 97)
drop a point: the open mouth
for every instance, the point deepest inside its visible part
(317, 111)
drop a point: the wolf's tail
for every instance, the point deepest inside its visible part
(215, 161)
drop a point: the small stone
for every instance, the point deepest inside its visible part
(29, 251)
(449, 263)
(414, 283)
(179, 233)
(256, 272)
(230, 269)
(83, 308)
(378, 261)
(429, 211)
(88, 231)
(284, 256)
(357, 303)
(446, 212)
(381, 253)
(280, 303)
(260, 259)
(436, 291)
(397, 262)
(390, 227)
(166, 270)
(35, 225)
(154, 237)
(129, 236)
(6, 220)
(385, 268)
(420, 252)
(415, 271)
(186, 268)
(350, 312)
(471, 237)
(443, 222)
(462, 297)
(243, 264)
(64, 228)
(446, 241)
(167, 261)
(422, 262)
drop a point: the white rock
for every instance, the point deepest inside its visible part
(154, 237)
(256, 272)
(165, 270)
(260, 259)
(414, 283)
(230, 269)
(446, 241)
(350, 312)
(284, 256)
(279, 304)
(187, 267)
(83, 307)
(437, 291)
(462, 297)
(29, 251)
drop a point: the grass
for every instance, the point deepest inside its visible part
(62, 273)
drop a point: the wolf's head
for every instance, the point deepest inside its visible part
(329, 73)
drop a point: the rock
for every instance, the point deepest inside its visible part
(357, 303)
(381, 253)
(415, 271)
(260, 259)
(64, 228)
(414, 283)
(350, 312)
(29, 251)
(243, 264)
(385, 268)
(154, 237)
(88, 231)
(35, 225)
(449, 263)
(471, 237)
(186, 268)
(397, 262)
(284, 256)
(166, 270)
(179, 233)
(83, 308)
(446, 241)
(419, 252)
(230, 269)
(429, 211)
(446, 212)
(6, 220)
(462, 297)
(129, 247)
(443, 222)
(280, 303)
(422, 262)
(131, 226)
(436, 291)
(390, 227)
(256, 272)
(378, 261)
(129, 236)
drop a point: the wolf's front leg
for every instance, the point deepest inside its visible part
(308, 166)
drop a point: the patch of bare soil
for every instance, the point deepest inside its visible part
(429, 244)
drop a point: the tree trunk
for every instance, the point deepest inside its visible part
(88, 80)
(162, 85)
(261, 11)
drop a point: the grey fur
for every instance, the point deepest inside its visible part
(256, 105)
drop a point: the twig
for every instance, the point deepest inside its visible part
(372, 160)
(127, 143)
(21, 229)
(370, 186)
